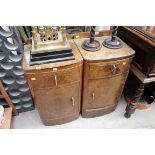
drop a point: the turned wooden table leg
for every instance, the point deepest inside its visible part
(130, 108)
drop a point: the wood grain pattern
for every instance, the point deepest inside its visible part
(58, 103)
(63, 76)
(142, 77)
(144, 61)
(56, 89)
(104, 75)
(104, 53)
(101, 94)
(104, 69)
(143, 45)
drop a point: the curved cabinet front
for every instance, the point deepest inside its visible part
(57, 93)
(103, 84)
(58, 105)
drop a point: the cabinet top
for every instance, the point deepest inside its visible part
(104, 53)
(26, 59)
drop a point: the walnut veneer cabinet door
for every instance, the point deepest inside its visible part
(58, 105)
(104, 76)
(56, 88)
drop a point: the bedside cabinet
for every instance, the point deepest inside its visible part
(105, 74)
(56, 88)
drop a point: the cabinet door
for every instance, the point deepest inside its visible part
(58, 102)
(105, 92)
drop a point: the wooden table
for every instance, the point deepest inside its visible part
(144, 80)
(142, 40)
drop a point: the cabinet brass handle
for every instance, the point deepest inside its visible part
(113, 69)
(75, 36)
(55, 78)
(73, 101)
(93, 96)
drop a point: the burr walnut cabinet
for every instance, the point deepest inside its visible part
(56, 88)
(104, 76)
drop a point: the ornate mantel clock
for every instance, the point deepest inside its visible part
(49, 44)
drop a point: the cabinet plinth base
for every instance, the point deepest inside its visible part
(59, 121)
(89, 113)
